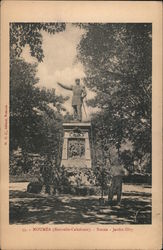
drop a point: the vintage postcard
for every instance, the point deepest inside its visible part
(81, 125)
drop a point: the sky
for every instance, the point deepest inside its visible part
(60, 63)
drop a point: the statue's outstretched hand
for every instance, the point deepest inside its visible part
(65, 87)
(60, 84)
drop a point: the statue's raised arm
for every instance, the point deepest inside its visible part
(65, 87)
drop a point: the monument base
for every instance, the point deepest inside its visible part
(76, 154)
(80, 176)
(79, 181)
(76, 145)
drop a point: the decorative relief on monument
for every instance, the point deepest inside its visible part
(76, 133)
(76, 148)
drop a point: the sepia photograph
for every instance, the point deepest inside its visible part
(80, 123)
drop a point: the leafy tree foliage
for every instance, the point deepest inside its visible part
(35, 115)
(118, 66)
(22, 34)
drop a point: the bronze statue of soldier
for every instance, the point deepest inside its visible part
(79, 93)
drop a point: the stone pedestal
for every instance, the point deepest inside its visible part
(76, 147)
(76, 154)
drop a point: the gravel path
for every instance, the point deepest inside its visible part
(26, 208)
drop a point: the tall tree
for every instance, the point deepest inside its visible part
(118, 66)
(35, 114)
(22, 34)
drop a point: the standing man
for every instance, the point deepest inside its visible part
(79, 93)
